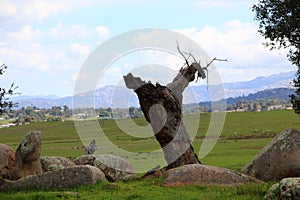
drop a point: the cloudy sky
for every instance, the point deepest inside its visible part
(44, 43)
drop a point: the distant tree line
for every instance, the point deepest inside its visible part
(34, 114)
(239, 105)
(59, 113)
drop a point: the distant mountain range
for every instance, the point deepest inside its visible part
(112, 96)
(281, 94)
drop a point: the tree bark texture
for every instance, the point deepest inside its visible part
(162, 108)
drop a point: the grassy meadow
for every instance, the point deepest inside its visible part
(243, 136)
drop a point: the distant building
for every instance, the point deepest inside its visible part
(80, 115)
(105, 116)
(240, 110)
(289, 108)
(275, 107)
(7, 125)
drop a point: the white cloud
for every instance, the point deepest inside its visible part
(222, 3)
(61, 48)
(102, 31)
(18, 13)
(42, 9)
(69, 33)
(33, 59)
(81, 50)
(25, 35)
(7, 8)
(241, 44)
(38, 60)
(30, 46)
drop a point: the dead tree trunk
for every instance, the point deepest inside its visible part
(162, 107)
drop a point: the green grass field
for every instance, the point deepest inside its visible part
(243, 136)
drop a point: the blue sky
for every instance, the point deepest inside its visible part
(44, 43)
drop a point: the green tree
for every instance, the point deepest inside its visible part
(56, 111)
(66, 111)
(279, 23)
(256, 106)
(5, 104)
(131, 111)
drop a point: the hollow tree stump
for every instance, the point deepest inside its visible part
(162, 108)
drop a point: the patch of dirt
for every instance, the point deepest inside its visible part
(243, 136)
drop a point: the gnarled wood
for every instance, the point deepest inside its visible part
(162, 107)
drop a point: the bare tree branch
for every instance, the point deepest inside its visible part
(186, 60)
(215, 59)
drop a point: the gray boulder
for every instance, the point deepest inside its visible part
(7, 161)
(67, 177)
(52, 163)
(28, 156)
(277, 160)
(287, 188)
(115, 168)
(197, 174)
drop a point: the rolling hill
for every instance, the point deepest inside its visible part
(112, 96)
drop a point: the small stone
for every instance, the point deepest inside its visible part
(91, 148)
(85, 160)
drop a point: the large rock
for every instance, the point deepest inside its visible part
(197, 174)
(115, 168)
(28, 156)
(68, 177)
(52, 163)
(85, 160)
(279, 159)
(287, 188)
(7, 161)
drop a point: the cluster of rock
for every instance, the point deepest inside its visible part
(278, 161)
(25, 168)
(115, 168)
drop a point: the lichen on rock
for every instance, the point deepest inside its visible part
(28, 156)
(279, 159)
